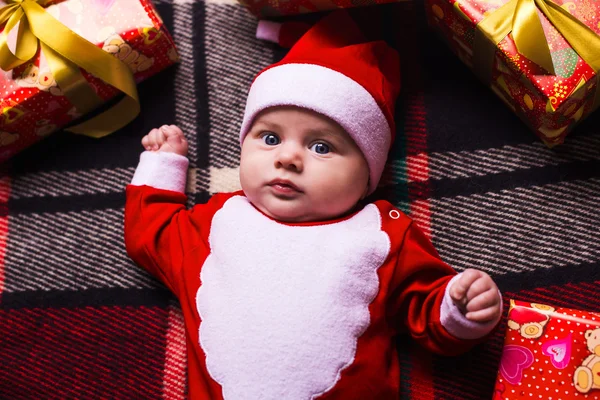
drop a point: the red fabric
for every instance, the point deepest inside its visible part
(4, 196)
(291, 32)
(374, 65)
(48, 368)
(158, 231)
(172, 243)
(522, 315)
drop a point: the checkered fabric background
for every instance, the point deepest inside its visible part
(79, 320)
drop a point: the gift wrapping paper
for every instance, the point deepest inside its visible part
(549, 353)
(551, 105)
(32, 104)
(270, 8)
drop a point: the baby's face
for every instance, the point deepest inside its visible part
(297, 166)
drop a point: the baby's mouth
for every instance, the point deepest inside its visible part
(282, 186)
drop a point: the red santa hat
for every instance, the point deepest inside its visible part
(334, 70)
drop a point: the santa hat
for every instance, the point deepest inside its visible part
(334, 70)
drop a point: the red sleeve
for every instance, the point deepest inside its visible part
(417, 292)
(160, 231)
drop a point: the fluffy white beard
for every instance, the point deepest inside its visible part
(282, 307)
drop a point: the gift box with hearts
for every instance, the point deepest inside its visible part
(549, 353)
(64, 59)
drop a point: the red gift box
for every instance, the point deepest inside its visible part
(32, 105)
(550, 103)
(549, 353)
(270, 8)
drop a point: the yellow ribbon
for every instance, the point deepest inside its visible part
(521, 18)
(66, 53)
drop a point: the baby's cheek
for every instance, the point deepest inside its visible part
(338, 199)
(250, 173)
(348, 184)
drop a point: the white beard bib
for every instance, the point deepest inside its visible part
(282, 306)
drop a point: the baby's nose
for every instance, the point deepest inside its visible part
(289, 157)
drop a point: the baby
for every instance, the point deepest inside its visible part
(294, 288)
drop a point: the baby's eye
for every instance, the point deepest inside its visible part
(320, 148)
(270, 139)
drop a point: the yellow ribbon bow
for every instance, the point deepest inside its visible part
(521, 18)
(66, 53)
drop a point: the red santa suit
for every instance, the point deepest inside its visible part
(291, 311)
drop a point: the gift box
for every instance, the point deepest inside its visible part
(538, 56)
(83, 54)
(269, 8)
(549, 353)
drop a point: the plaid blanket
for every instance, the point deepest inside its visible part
(79, 320)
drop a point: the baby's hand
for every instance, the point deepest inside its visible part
(166, 138)
(476, 294)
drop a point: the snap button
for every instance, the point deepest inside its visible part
(394, 214)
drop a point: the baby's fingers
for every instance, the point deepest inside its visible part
(487, 299)
(485, 315)
(150, 141)
(159, 136)
(460, 288)
(172, 131)
(146, 143)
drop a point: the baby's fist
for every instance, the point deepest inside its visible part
(477, 296)
(167, 138)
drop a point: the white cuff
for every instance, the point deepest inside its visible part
(161, 170)
(268, 30)
(457, 324)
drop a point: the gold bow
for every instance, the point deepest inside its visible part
(521, 18)
(66, 53)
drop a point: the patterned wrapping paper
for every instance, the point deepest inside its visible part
(549, 353)
(551, 105)
(33, 106)
(276, 8)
